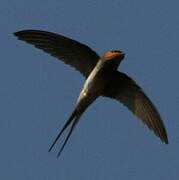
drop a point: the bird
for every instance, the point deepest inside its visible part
(102, 79)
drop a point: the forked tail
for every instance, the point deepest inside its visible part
(73, 119)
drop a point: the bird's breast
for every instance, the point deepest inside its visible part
(93, 86)
(97, 80)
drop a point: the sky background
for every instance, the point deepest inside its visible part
(38, 92)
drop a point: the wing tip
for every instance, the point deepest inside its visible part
(166, 140)
(19, 33)
(165, 136)
(16, 33)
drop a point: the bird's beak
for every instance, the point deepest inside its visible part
(122, 55)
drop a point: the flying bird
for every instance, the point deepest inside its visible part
(102, 79)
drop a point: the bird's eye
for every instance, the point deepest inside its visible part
(116, 51)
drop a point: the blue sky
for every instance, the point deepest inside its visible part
(38, 92)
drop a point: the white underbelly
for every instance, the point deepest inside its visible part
(93, 82)
(92, 86)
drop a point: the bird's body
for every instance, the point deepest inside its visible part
(102, 79)
(95, 83)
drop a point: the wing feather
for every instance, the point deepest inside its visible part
(125, 90)
(71, 52)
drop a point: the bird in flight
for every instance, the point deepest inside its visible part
(102, 79)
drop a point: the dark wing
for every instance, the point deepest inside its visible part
(69, 51)
(125, 90)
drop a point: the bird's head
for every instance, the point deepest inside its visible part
(112, 59)
(116, 55)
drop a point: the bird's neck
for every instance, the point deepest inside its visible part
(107, 66)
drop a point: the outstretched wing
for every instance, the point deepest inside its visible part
(69, 51)
(125, 90)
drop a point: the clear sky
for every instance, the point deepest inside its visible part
(38, 92)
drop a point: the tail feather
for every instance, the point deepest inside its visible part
(73, 115)
(68, 136)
